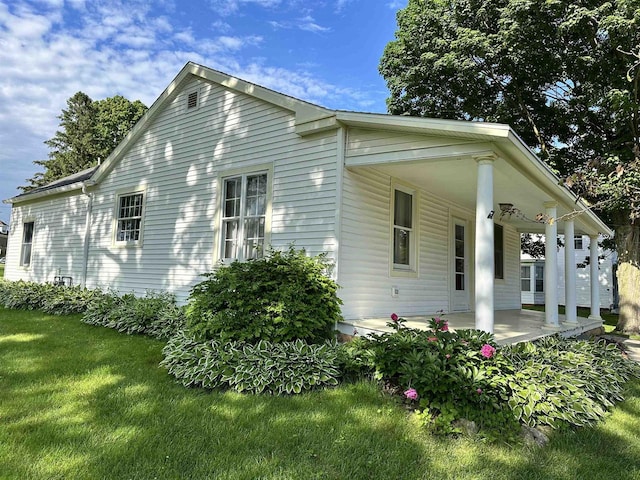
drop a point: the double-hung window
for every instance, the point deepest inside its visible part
(577, 242)
(404, 234)
(27, 242)
(244, 216)
(129, 210)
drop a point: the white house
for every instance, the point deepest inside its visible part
(408, 209)
(532, 275)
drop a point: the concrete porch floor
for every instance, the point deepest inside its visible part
(510, 326)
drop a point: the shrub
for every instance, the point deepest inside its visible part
(24, 295)
(264, 367)
(155, 313)
(558, 381)
(455, 374)
(284, 296)
(62, 300)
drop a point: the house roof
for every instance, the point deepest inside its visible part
(310, 118)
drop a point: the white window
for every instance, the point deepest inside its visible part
(403, 234)
(525, 278)
(539, 274)
(129, 212)
(577, 242)
(244, 216)
(27, 243)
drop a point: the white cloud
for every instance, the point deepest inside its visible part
(307, 24)
(48, 52)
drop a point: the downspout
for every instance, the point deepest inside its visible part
(87, 235)
(341, 139)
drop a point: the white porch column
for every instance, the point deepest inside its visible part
(551, 266)
(594, 278)
(484, 266)
(570, 302)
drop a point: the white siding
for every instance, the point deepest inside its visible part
(365, 254)
(583, 278)
(179, 159)
(57, 249)
(370, 142)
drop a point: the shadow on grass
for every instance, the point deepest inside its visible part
(86, 402)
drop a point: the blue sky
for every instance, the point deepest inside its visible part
(323, 51)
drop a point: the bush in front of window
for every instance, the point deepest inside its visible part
(284, 296)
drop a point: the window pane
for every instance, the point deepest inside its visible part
(539, 280)
(525, 285)
(28, 232)
(401, 243)
(232, 192)
(525, 272)
(230, 232)
(26, 254)
(459, 281)
(402, 209)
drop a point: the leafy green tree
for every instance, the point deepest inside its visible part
(565, 74)
(89, 131)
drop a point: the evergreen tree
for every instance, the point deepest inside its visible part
(89, 131)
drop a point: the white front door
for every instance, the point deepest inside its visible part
(460, 267)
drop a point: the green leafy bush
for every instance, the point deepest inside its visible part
(284, 296)
(53, 299)
(154, 314)
(23, 295)
(557, 380)
(264, 367)
(454, 374)
(464, 374)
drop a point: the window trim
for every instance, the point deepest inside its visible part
(398, 270)
(218, 249)
(25, 221)
(125, 192)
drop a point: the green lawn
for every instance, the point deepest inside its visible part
(1, 270)
(83, 402)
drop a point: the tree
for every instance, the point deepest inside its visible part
(89, 131)
(564, 74)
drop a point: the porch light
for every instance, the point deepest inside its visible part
(506, 208)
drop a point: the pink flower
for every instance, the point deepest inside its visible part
(411, 394)
(432, 339)
(437, 320)
(445, 327)
(487, 351)
(394, 317)
(448, 355)
(479, 391)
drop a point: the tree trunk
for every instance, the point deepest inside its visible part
(628, 248)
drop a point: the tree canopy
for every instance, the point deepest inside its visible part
(563, 73)
(89, 131)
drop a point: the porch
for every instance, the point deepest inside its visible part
(510, 326)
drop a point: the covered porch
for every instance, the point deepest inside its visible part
(482, 187)
(510, 326)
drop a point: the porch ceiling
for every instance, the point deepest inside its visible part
(454, 178)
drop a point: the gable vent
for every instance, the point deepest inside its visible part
(192, 100)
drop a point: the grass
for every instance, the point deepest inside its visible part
(1, 270)
(83, 402)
